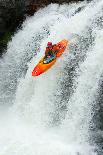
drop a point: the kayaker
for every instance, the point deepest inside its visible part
(51, 49)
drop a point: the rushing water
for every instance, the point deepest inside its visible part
(59, 112)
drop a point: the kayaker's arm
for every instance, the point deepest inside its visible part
(46, 51)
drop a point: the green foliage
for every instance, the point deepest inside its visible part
(4, 39)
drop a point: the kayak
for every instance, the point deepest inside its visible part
(47, 62)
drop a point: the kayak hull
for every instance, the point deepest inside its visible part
(41, 67)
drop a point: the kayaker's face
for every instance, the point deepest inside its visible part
(50, 46)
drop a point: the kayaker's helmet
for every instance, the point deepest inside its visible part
(49, 44)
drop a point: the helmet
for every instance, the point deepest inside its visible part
(49, 44)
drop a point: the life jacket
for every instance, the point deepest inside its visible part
(48, 49)
(54, 49)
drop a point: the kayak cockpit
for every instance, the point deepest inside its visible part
(48, 59)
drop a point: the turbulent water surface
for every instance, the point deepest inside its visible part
(59, 112)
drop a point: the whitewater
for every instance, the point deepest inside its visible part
(56, 113)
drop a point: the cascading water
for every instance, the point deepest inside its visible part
(53, 114)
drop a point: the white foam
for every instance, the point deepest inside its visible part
(31, 125)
